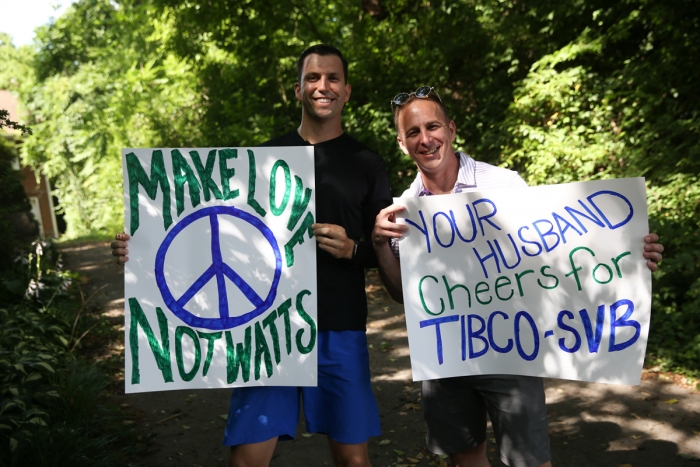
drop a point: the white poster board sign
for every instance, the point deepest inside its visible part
(220, 285)
(542, 281)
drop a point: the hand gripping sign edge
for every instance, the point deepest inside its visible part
(218, 269)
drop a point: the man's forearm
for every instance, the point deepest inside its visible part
(389, 271)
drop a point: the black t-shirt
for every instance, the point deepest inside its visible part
(351, 188)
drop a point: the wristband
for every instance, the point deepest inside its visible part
(354, 250)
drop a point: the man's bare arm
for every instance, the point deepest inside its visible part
(385, 227)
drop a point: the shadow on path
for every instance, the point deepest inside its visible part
(654, 425)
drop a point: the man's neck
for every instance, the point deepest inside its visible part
(443, 181)
(316, 132)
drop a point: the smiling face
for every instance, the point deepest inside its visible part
(322, 91)
(425, 134)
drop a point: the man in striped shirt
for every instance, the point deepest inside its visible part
(455, 408)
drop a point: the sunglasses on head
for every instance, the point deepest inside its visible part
(421, 93)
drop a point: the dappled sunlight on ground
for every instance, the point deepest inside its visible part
(651, 425)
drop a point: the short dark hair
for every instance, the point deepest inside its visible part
(321, 49)
(430, 97)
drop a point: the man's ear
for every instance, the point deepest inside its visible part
(401, 145)
(348, 90)
(297, 91)
(453, 131)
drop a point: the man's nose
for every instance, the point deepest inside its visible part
(424, 136)
(323, 83)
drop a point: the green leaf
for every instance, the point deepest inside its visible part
(44, 365)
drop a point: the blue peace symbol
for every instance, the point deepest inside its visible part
(219, 270)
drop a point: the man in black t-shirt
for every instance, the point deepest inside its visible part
(351, 189)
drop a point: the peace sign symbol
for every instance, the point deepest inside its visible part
(218, 270)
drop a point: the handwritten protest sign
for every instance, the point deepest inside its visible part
(542, 281)
(220, 285)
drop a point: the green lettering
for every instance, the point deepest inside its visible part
(238, 357)
(185, 375)
(298, 238)
(309, 320)
(261, 350)
(227, 173)
(269, 322)
(542, 271)
(205, 174)
(161, 351)
(422, 298)
(211, 337)
(137, 176)
(519, 275)
(277, 210)
(183, 173)
(299, 205)
(610, 273)
(478, 290)
(283, 310)
(505, 283)
(615, 261)
(252, 202)
(452, 289)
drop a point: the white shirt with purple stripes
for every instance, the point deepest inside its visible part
(472, 176)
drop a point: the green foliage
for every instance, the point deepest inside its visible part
(620, 101)
(97, 83)
(559, 90)
(5, 122)
(52, 410)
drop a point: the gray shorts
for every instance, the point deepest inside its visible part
(455, 412)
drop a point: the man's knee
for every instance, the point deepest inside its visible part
(252, 455)
(350, 455)
(472, 457)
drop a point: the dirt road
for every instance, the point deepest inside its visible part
(656, 424)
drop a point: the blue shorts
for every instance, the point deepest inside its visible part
(342, 406)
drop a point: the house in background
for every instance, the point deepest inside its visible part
(36, 185)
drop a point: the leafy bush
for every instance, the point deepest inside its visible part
(52, 408)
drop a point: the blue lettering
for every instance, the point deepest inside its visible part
(494, 346)
(437, 322)
(593, 341)
(503, 258)
(435, 229)
(622, 321)
(591, 217)
(487, 216)
(559, 220)
(424, 230)
(520, 235)
(548, 233)
(565, 327)
(607, 221)
(471, 217)
(483, 260)
(535, 335)
(477, 335)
